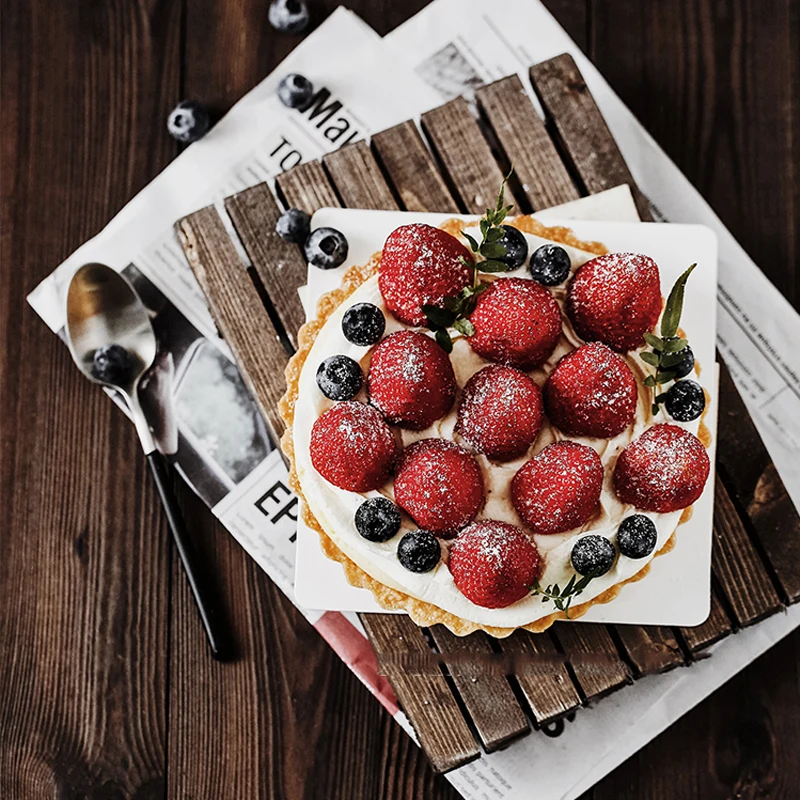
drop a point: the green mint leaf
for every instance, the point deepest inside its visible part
(671, 359)
(672, 313)
(556, 590)
(559, 603)
(655, 409)
(493, 250)
(545, 599)
(660, 398)
(451, 303)
(571, 585)
(583, 583)
(494, 235)
(484, 223)
(464, 326)
(665, 375)
(491, 265)
(444, 341)
(439, 317)
(650, 381)
(472, 243)
(674, 345)
(649, 358)
(656, 342)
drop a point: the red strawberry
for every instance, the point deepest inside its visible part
(517, 322)
(411, 380)
(440, 485)
(558, 489)
(493, 563)
(615, 299)
(421, 265)
(591, 392)
(352, 447)
(664, 470)
(500, 412)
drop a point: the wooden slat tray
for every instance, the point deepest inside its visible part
(460, 709)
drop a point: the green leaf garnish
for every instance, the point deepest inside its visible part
(457, 308)
(666, 353)
(562, 598)
(672, 313)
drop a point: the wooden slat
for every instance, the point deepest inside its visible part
(737, 564)
(237, 309)
(581, 128)
(422, 690)
(716, 627)
(650, 648)
(542, 676)
(486, 694)
(307, 187)
(358, 178)
(407, 160)
(756, 487)
(593, 657)
(465, 154)
(538, 168)
(279, 264)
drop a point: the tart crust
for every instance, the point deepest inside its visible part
(422, 613)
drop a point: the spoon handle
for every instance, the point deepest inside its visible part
(207, 603)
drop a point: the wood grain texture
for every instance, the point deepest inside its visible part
(593, 658)
(538, 168)
(405, 157)
(581, 128)
(716, 627)
(237, 309)
(542, 676)
(474, 176)
(756, 488)
(279, 265)
(649, 648)
(358, 178)
(422, 690)
(737, 565)
(84, 553)
(486, 694)
(307, 187)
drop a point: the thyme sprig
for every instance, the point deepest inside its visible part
(488, 251)
(562, 598)
(666, 353)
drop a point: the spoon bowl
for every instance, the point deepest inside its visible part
(103, 309)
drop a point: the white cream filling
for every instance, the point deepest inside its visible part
(335, 508)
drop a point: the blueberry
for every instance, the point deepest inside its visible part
(378, 519)
(550, 265)
(288, 16)
(636, 537)
(685, 401)
(188, 122)
(112, 364)
(593, 555)
(339, 377)
(363, 324)
(326, 248)
(686, 364)
(295, 91)
(293, 225)
(419, 551)
(516, 247)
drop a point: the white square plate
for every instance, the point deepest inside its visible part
(678, 589)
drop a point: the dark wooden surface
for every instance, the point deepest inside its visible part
(106, 689)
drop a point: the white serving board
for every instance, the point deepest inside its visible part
(678, 589)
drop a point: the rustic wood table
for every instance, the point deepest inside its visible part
(107, 689)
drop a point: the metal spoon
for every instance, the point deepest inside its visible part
(103, 309)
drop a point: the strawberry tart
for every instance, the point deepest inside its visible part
(493, 425)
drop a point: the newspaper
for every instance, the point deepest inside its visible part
(219, 441)
(457, 46)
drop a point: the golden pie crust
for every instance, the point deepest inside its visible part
(422, 613)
